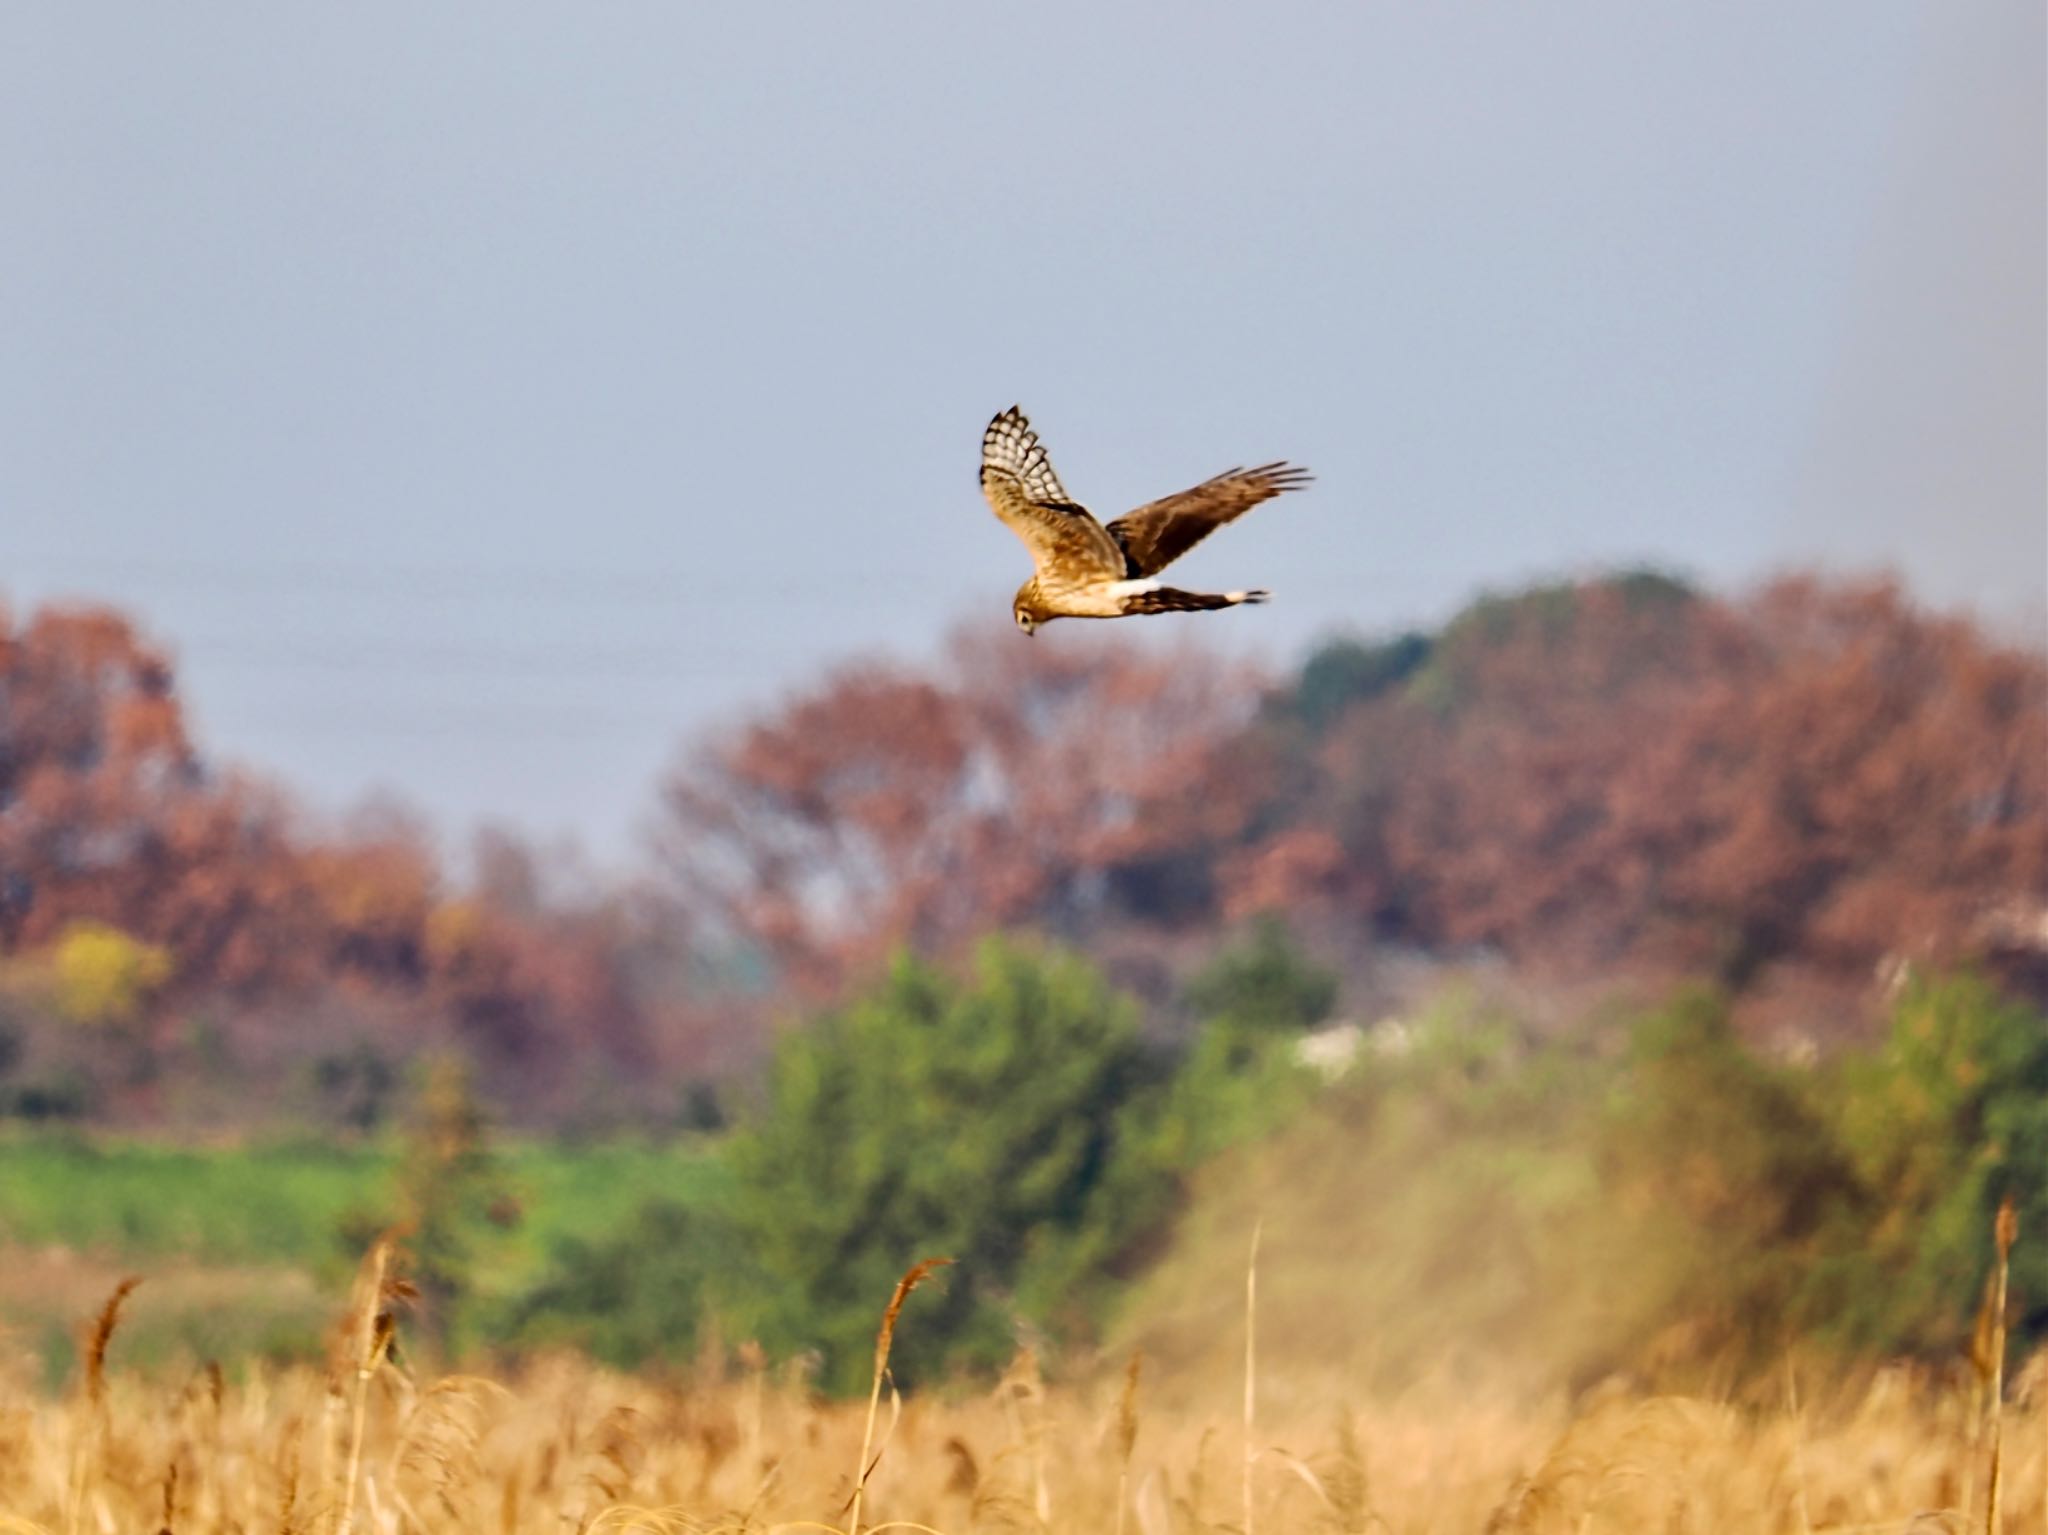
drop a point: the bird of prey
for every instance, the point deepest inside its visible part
(1087, 570)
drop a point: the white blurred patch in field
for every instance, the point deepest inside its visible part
(1330, 1052)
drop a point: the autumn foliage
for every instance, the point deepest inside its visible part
(1050, 785)
(1797, 792)
(289, 940)
(1625, 772)
(1812, 782)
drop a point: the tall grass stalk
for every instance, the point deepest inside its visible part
(1127, 1434)
(92, 1434)
(368, 1333)
(1798, 1470)
(911, 1279)
(2004, 1232)
(1251, 1360)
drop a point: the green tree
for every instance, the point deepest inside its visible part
(1242, 1076)
(996, 1120)
(451, 1192)
(1944, 1121)
(637, 1294)
(1733, 1174)
(1263, 984)
(1343, 672)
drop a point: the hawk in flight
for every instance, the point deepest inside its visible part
(1087, 570)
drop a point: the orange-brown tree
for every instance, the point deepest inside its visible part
(1061, 784)
(300, 942)
(1625, 772)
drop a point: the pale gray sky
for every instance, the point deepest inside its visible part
(482, 398)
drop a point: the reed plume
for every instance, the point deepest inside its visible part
(912, 1278)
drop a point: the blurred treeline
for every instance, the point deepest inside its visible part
(1647, 1195)
(1012, 955)
(1794, 795)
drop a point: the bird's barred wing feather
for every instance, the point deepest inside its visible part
(1171, 599)
(1157, 534)
(1010, 446)
(1067, 544)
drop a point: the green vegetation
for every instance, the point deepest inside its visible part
(637, 1295)
(1013, 1121)
(998, 1121)
(1344, 672)
(147, 1201)
(1241, 1078)
(453, 1201)
(1735, 1175)
(1646, 1191)
(243, 1245)
(1263, 987)
(1945, 1119)
(1651, 1195)
(283, 1204)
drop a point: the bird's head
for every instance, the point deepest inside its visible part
(1026, 608)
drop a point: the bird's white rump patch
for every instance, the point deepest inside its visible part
(1120, 589)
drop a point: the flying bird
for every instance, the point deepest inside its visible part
(1086, 570)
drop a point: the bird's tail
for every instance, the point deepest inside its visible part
(1171, 599)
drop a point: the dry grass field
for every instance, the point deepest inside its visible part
(366, 1445)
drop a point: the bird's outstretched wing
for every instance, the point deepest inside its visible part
(1067, 544)
(1157, 534)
